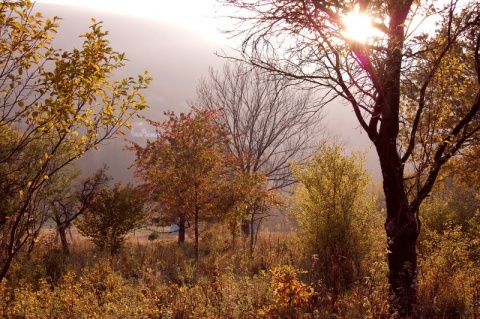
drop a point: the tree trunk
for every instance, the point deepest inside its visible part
(401, 229)
(402, 264)
(181, 231)
(196, 234)
(245, 227)
(252, 233)
(62, 232)
(5, 266)
(234, 236)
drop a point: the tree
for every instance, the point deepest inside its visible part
(246, 192)
(394, 82)
(72, 198)
(451, 204)
(113, 213)
(271, 124)
(463, 167)
(183, 168)
(55, 105)
(14, 175)
(336, 216)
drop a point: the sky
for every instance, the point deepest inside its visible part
(176, 42)
(199, 16)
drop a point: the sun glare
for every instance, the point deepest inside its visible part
(358, 27)
(187, 13)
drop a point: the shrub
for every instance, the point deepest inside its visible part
(338, 221)
(112, 215)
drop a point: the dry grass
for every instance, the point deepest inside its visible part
(159, 279)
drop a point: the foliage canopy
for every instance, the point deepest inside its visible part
(55, 105)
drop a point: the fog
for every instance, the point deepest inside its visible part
(176, 58)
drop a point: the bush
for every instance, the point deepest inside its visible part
(338, 221)
(112, 215)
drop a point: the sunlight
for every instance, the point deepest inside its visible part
(186, 13)
(197, 16)
(358, 27)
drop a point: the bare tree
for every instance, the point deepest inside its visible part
(271, 123)
(413, 86)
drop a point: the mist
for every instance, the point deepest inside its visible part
(176, 58)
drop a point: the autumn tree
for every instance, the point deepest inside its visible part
(412, 83)
(14, 174)
(112, 214)
(183, 168)
(72, 197)
(55, 105)
(338, 219)
(246, 192)
(451, 205)
(271, 124)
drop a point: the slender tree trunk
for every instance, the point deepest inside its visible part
(400, 225)
(196, 233)
(62, 232)
(234, 236)
(181, 231)
(245, 227)
(5, 266)
(402, 231)
(252, 233)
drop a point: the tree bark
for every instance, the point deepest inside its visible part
(181, 231)
(62, 232)
(402, 263)
(196, 233)
(401, 228)
(5, 266)
(252, 233)
(245, 227)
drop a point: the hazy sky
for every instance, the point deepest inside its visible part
(176, 42)
(198, 16)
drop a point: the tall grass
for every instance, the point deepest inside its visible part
(161, 280)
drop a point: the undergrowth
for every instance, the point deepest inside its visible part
(161, 280)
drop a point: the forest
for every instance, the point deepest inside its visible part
(243, 206)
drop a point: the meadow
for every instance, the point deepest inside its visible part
(160, 279)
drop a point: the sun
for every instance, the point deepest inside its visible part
(358, 27)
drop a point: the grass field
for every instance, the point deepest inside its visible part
(159, 279)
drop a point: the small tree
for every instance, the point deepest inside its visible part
(337, 218)
(246, 192)
(72, 198)
(112, 214)
(184, 168)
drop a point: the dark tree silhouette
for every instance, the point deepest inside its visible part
(414, 88)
